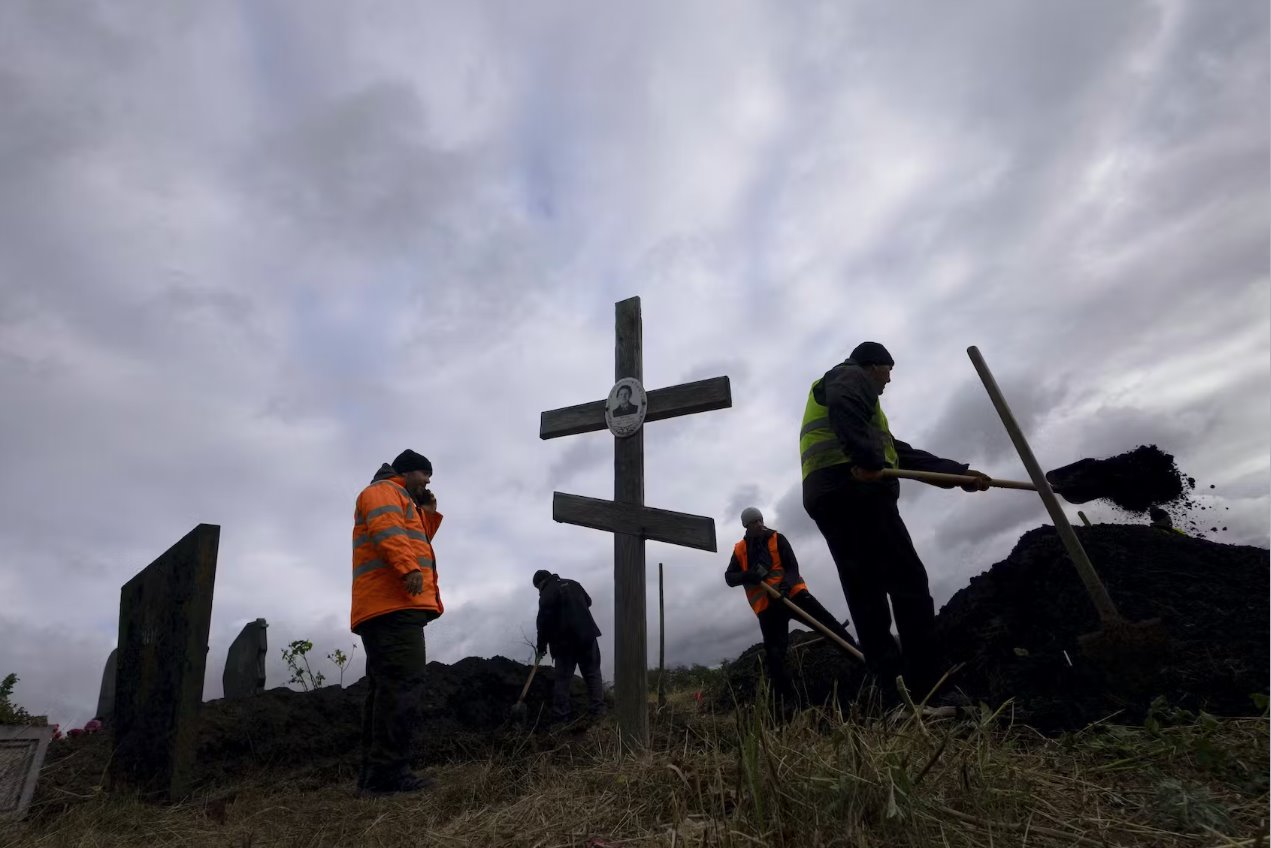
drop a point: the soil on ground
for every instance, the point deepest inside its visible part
(464, 714)
(1015, 631)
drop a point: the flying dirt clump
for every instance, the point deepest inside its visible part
(1135, 481)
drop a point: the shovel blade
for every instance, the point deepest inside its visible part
(1129, 653)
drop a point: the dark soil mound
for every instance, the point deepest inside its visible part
(819, 672)
(1134, 481)
(464, 709)
(1013, 624)
(463, 714)
(1015, 628)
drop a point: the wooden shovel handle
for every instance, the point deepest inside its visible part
(956, 479)
(528, 680)
(821, 628)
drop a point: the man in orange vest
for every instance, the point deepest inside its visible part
(394, 595)
(765, 556)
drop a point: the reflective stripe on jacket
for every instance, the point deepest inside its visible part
(755, 593)
(819, 447)
(391, 538)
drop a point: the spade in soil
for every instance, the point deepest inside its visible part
(1123, 649)
(519, 710)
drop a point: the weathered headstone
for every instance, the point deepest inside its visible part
(106, 695)
(245, 663)
(21, 755)
(624, 413)
(165, 613)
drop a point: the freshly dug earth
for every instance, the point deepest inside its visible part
(464, 714)
(1013, 624)
(464, 710)
(1135, 481)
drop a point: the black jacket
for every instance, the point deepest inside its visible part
(757, 553)
(564, 616)
(850, 396)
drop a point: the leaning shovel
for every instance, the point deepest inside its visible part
(1126, 647)
(519, 710)
(820, 628)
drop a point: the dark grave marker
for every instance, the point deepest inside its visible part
(245, 663)
(106, 695)
(165, 613)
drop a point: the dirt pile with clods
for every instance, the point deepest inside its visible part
(1014, 630)
(1134, 481)
(464, 714)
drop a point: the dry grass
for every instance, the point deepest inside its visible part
(823, 779)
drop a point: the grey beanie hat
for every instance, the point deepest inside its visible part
(750, 514)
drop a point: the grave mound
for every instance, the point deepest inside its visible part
(1015, 629)
(464, 708)
(464, 715)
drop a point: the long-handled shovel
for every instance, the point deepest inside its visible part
(1121, 645)
(519, 709)
(820, 628)
(955, 479)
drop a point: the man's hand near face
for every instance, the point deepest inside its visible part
(414, 583)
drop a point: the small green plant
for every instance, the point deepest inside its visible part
(341, 660)
(296, 657)
(11, 713)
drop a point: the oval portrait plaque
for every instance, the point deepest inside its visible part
(625, 408)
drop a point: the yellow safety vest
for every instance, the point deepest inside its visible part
(819, 447)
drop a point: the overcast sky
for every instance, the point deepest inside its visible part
(249, 251)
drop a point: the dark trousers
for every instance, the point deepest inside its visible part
(587, 660)
(876, 561)
(774, 624)
(395, 660)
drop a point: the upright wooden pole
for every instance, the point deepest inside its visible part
(661, 640)
(631, 672)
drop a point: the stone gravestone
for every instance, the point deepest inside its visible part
(165, 613)
(106, 695)
(245, 664)
(21, 755)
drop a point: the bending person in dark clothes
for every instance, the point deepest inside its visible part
(566, 627)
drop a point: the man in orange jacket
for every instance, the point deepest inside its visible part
(765, 556)
(394, 595)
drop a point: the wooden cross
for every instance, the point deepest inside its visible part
(626, 516)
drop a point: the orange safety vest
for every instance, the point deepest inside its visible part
(755, 594)
(391, 538)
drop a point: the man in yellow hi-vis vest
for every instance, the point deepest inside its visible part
(845, 444)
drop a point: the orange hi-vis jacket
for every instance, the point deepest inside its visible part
(758, 598)
(391, 538)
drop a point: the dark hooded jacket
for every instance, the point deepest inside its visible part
(565, 624)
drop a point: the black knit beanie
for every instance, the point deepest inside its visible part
(871, 353)
(540, 577)
(408, 461)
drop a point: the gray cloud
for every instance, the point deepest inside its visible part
(249, 253)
